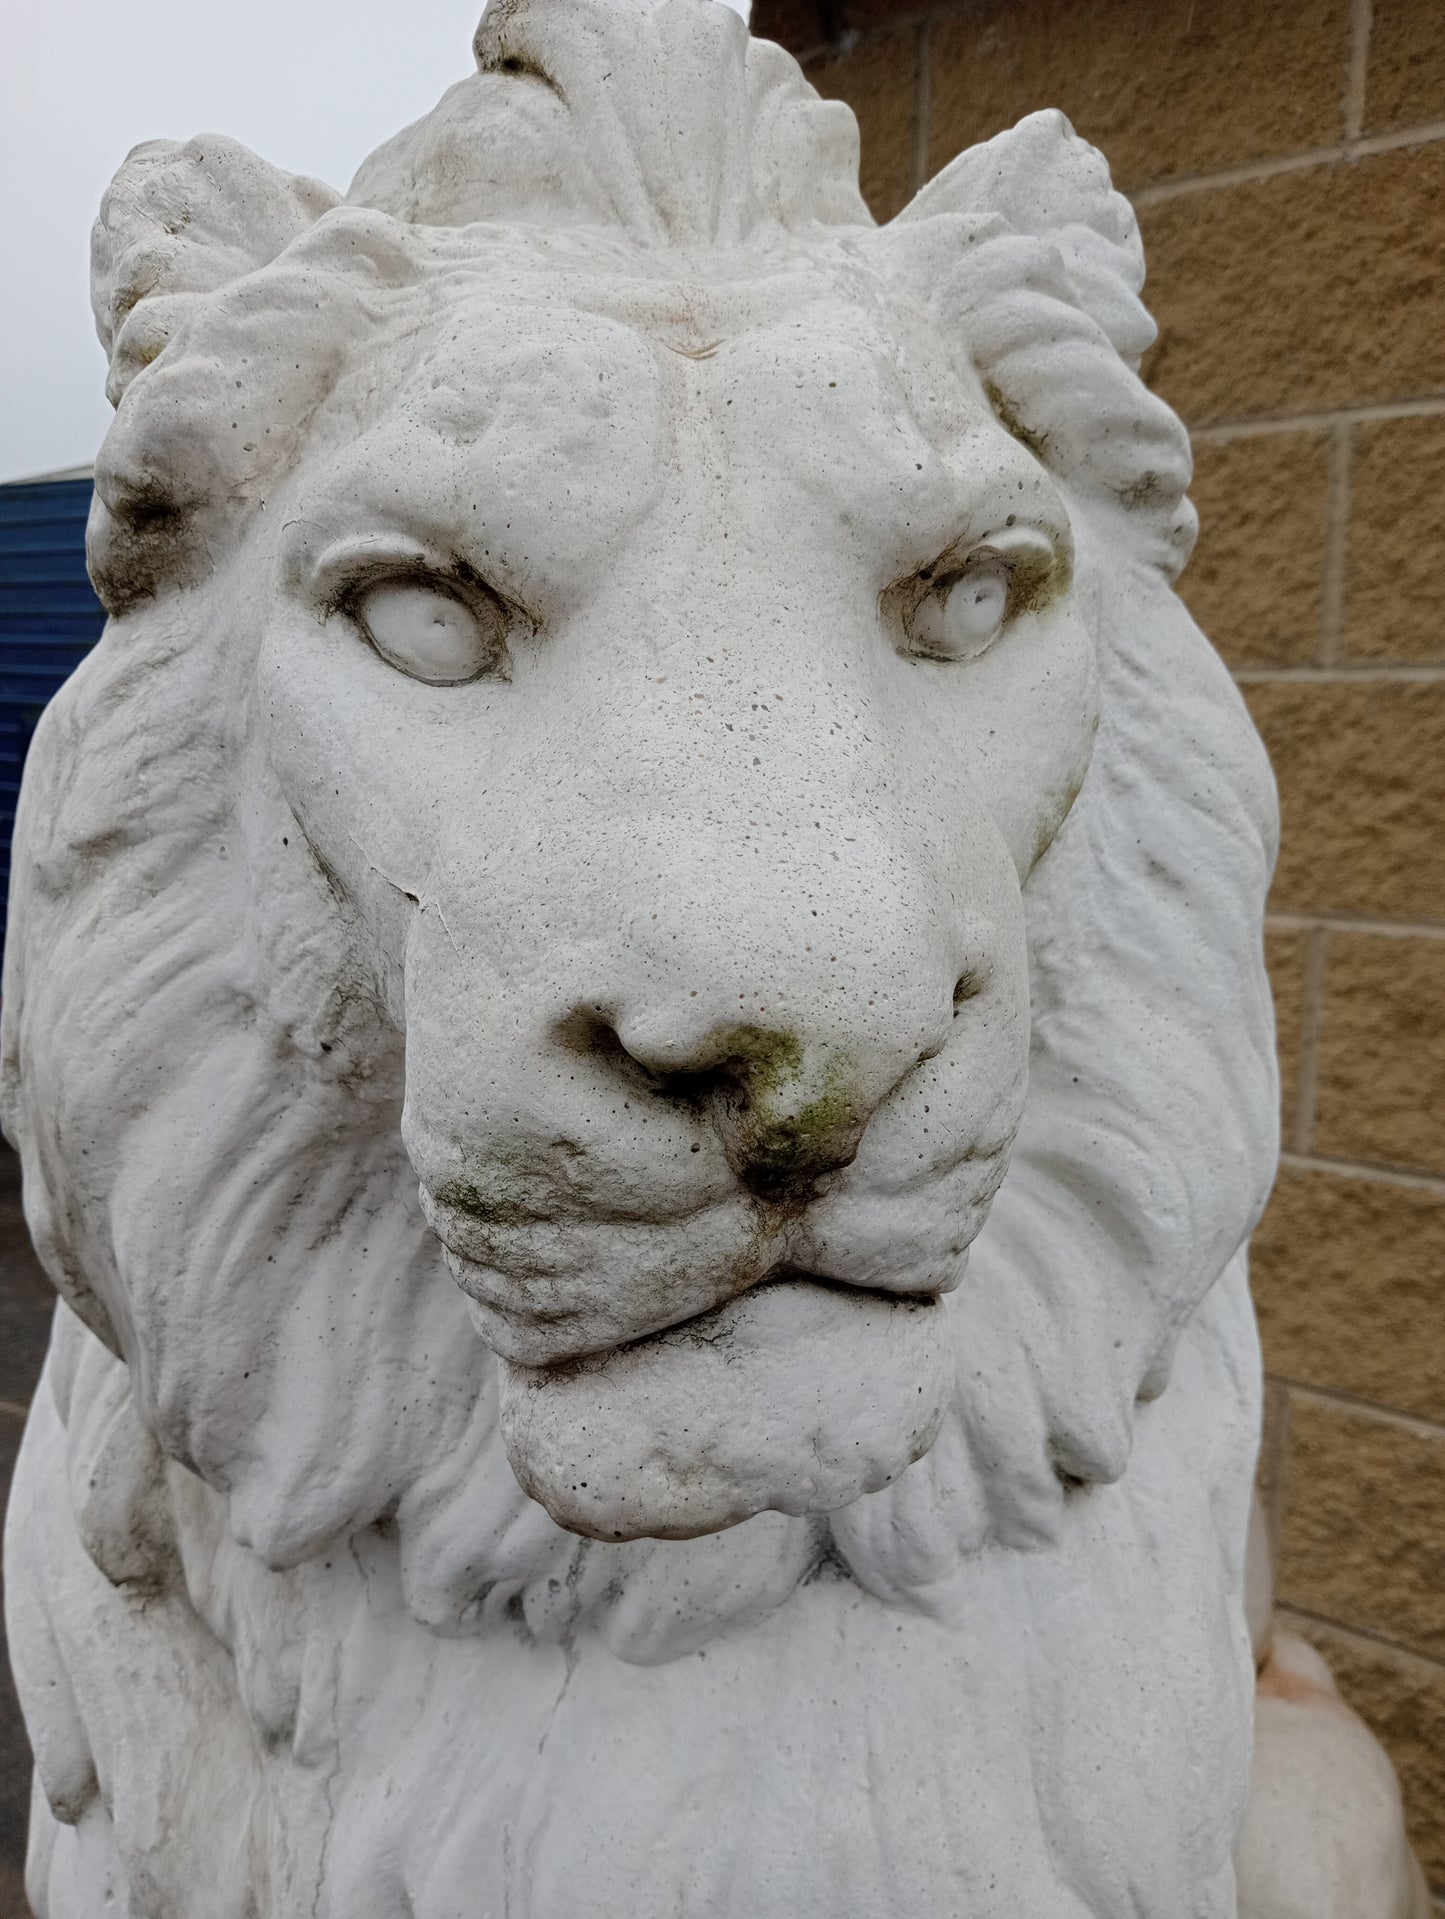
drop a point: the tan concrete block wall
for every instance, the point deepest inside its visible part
(1287, 160)
(1257, 587)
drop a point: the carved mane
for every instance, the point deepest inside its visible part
(333, 1390)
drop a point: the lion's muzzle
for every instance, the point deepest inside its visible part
(707, 1232)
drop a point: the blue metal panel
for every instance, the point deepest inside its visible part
(49, 620)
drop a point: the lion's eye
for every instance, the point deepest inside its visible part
(430, 633)
(958, 609)
(963, 614)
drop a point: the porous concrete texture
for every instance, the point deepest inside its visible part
(1364, 1530)
(1257, 586)
(1380, 1090)
(1360, 760)
(1167, 89)
(1407, 55)
(1287, 161)
(1392, 576)
(1352, 1314)
(1326, 282)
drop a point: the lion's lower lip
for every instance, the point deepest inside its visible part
(796, 1396)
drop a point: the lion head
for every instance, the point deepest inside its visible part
(649, 873)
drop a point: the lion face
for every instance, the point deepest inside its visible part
(678, 684)
(595, 696)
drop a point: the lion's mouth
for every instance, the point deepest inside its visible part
(537, 1328)
(698, 1325)
(711, 1324)
(671, 1378)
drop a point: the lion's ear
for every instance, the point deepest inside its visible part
(1026, 255)
(1045, 182)
(181, 227)
(181, 220)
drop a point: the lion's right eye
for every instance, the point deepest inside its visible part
(430, 633)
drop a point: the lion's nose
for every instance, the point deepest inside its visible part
(786, 1110)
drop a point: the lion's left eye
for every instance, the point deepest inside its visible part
(955, 611)
(963, 614)
(431, 634)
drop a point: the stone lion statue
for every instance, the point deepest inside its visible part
(644, 758)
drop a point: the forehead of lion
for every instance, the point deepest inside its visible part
(543, 404)
(552, 310)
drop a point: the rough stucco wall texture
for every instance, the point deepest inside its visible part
(1287, 159)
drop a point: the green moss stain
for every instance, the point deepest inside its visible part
(767, 1061)
(783, 1137)
(488, 1209)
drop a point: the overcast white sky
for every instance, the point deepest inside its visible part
(313, 85)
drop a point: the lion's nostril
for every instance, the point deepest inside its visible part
(969, 986)
(590, 1033)
(685, 1069)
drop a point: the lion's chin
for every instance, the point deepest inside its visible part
(799, 1397)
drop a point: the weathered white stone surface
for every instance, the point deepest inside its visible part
(1324, 1835)
(644, 757)
(1324, 1828)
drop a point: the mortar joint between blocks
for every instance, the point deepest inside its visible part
(922, 102)
(1357, 71)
